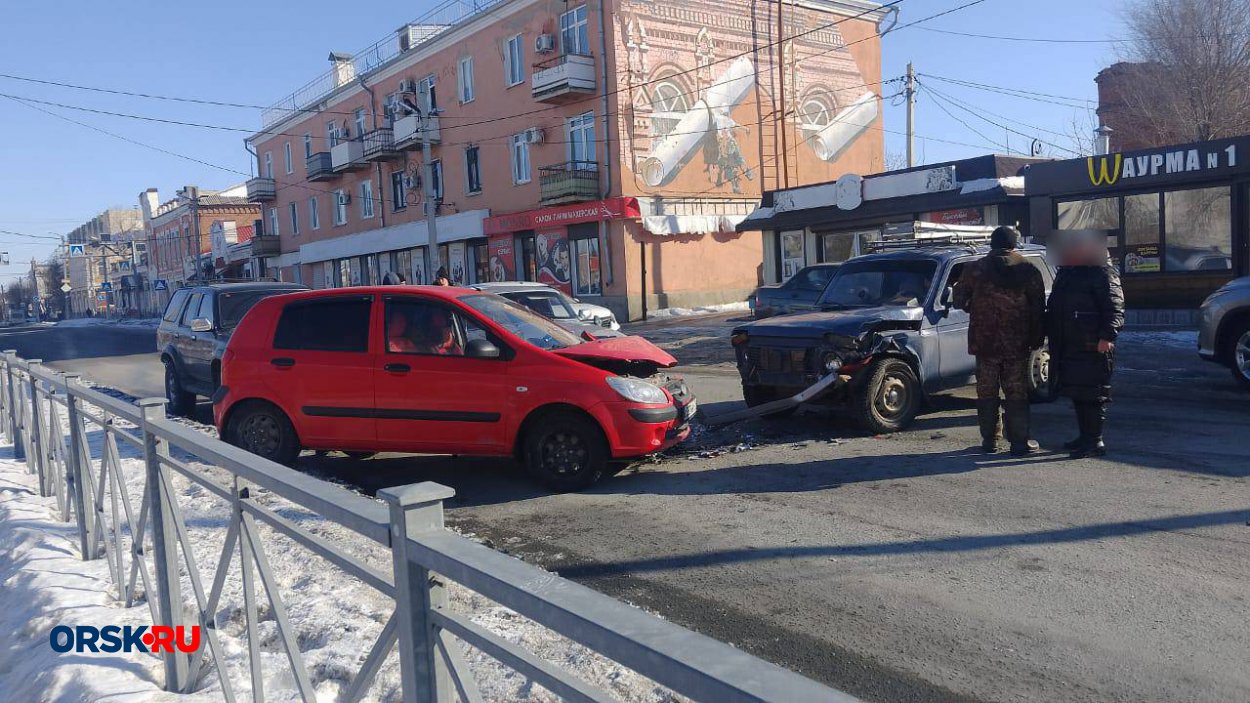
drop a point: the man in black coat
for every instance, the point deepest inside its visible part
(1084, 316)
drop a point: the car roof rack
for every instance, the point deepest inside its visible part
(954, 239)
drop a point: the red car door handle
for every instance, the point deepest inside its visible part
(283, 362)
(397, 368)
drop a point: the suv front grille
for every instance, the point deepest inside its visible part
(605, 322)
(782, 360)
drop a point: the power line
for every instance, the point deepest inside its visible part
(977, 113)
(1038, 40)
(967, 126)
(1015, 92)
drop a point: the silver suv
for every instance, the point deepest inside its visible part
(1224, 333)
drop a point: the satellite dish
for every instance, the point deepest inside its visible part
(1036, 147)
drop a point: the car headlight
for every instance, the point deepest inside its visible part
(584, 315)
(832, 363)
(636, 391)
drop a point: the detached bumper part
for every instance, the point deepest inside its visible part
(832, 380)
(665, 414)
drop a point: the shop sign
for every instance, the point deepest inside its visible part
(608, 209)
(1138, 169)
(1142, 258)
(957, 216)
(1111, 168)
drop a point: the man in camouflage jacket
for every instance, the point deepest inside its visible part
(1005, 298)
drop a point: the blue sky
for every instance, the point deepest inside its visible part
(56, 174)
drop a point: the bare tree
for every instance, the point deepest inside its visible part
(1081, 132)
(1191, 81)
(53, 274)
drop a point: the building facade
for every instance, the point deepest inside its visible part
(607, 148)
(98, 254)
(179, 236)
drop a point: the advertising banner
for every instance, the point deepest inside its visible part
(502, 259)
(554, 261)
(1142, 258)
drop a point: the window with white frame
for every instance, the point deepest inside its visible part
(399, 190)
(464, 79)
(307, 146)
(514, 60)
(472, 170)
(436, 178)
(268, 164)
(286, 155)
(359, 119)
(582, 140)
(273, 221)
(314, 216)
(431, 95)
(520, 159)
(332, 132)
(574, 37)
(293, 211)
(366, 199)
(390, 108)
(340, 207)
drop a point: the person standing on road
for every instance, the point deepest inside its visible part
(1083, 318)
(1005, 298)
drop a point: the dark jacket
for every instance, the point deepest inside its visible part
(1005, 298)
(1086, 305)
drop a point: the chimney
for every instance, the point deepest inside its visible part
(149, 200)
(344, 69)
(1102, 139)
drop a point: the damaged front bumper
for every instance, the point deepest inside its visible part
(826, 384)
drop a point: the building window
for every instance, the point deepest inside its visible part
(359, 119)
(332, 133)
(366, 199)
(340, 207)
(436, 178)
(390, 108)
(399, 193)
(514, 61)
(587, 278)
(582, 140)
(431, 95)
(520, 159)
(268, 164)
(273, 221)
(574, 38)
(481, 262)
(308, 146)
(329, 277)
(314, 217)
(472, 171)
(286, 155)
(464, 76)
(293, 210)
(1198, 230)
(1141, 233)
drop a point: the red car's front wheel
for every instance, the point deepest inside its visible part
(565, 451)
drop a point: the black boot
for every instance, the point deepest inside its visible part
(1093, 416)
(1082, 423)
(1017, 426)
(990, 424)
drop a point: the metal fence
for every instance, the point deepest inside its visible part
(46, 415)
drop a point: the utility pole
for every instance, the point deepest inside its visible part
(911, 115)
(430, 206)
(196, 237)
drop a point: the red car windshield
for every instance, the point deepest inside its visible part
(522, 322)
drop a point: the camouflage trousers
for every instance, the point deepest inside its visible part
(1011, 374)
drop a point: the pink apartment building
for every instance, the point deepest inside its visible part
(607, 148)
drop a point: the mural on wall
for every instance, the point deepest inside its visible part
(554, 262)
(708, 87)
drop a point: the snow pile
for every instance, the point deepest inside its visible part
(1173, 339)
(151, 322)
(666, 313)
(336, 617)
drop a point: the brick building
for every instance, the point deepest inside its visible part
(102, 248)
(607, 148)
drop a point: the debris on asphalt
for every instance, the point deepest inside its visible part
(938, 435)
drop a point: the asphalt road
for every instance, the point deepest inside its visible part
(904, 568)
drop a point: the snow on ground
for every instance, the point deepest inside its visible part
(123, 322)
(1175, 339)
(337, 618)
(665, 313)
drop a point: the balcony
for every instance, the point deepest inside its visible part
(569, 182)
(380, 145)
(261, 190)
(563, 78)
(318, 166)
(266, 245)
(348, 155)
(408, 131)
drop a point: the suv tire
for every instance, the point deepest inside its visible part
(1040, 390)
(264, 430)
(889, 398)
(758, 395)
(181, 403)
(1239, 353)
(565, 451)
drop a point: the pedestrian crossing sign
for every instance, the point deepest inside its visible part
(77, 250)
(160, 284)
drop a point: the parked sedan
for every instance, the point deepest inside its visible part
(799, 294)
(1224, 332)
(440, 370)
(571, 314)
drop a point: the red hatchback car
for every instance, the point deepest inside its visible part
(443, 371)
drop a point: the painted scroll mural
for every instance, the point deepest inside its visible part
(708, 88)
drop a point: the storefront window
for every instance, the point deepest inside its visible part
(481, 262)
(837, 247)
(370, 274)
(791, 254)
(528, 258)
(1199, 232)
(1099, 213)
(354, 271)
(586, 256)
(328, 277)
(1141, 233)
(345, 273)
(417, 272)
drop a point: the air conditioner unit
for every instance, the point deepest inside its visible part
(535, 135)
(344, 198)
(407, 85)
(545, 43)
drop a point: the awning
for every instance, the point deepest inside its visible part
(691, 224)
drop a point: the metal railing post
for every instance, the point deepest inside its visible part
(416, 509)
(5, 406)
(77, 477)
(165, 543)
(34, 452)
(10, 356)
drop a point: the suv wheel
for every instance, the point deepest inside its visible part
(181, 402)
(565, 451)
(1039, 376)
(264, 430)
(758, 395)
(1239, 356)
(889, 399)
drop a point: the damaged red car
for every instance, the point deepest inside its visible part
(444, 371)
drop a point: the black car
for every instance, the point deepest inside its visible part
(193, 333)
(799, 294)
